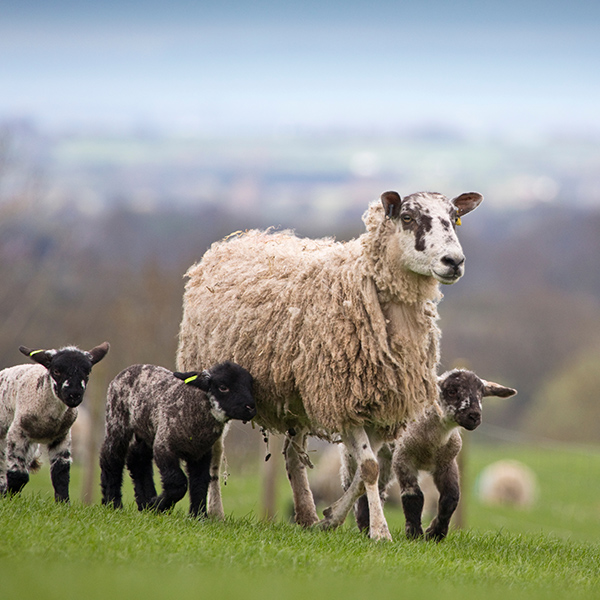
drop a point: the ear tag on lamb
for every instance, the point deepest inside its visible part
(190, 379)
(458, 221)
(36, 352)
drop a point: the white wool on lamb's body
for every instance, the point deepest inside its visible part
(341, 338)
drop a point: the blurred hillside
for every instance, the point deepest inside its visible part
(96, 234)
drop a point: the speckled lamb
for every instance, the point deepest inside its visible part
(341, 338)
(38, 405)
(152, 413)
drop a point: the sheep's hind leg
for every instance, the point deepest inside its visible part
(139, 464)
(366, 479)
(199, 479)
(296, 461)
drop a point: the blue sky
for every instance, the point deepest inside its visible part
(514, 67)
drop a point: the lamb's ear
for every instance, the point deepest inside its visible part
(495, 389)
(467, 202)
(195, 378)
(391, 204)
(99, 352)
(43, 357)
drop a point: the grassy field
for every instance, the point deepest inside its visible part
(551, 551)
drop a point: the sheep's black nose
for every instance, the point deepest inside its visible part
(453, 261)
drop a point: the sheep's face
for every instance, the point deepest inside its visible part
(426, 242)
(69, 370)
(461, 393)
(229, 388)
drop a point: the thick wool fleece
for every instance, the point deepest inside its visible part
(336, 335)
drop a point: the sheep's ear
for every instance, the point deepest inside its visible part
(99, 352)
(391, 204)
(495, 389)
(467, 202)
(43, 357)
(194, 378)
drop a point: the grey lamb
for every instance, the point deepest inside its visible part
(431, 443)
(153, 413)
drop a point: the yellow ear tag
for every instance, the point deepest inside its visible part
(36, 352)
(190, 379)
(458, 221)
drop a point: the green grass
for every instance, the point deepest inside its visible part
(552, 551)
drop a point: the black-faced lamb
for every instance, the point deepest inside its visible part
(153, 413)
(431, 443)
(341, 338)
(38, 405)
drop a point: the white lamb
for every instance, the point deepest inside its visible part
(341, 338)
(38, 405)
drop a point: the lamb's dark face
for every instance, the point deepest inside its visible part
(461, 393)
(460, 396)
(229, 388)
(426, 240)
(70, 371)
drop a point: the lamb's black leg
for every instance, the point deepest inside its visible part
(59, 454)
(15, 460)
(112, 463)
(199, 479)
(412, 498)
(447, 483)
(173, 479)
(139, 464)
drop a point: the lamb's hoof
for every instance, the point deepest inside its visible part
(434, 536)
(414, 533)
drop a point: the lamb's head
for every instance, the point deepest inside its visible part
(69, 369)
(425, 240)
(461, 392)
(227, 385)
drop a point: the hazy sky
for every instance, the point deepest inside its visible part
(504, 66)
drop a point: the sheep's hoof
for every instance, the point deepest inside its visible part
(414, 533)
(381, 534)
(325, 524)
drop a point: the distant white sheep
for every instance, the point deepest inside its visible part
(341, 338)
(153, 413)
(38, 406)
(508, 483)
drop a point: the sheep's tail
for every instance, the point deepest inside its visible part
(35, 462)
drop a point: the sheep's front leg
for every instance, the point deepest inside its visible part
(3, 462)
(173, 479)
(412, 496)
(59, 454)
(17, 452)
(215, 501)
(447, 482)
(366, 479)
(296, 462)
(199, 479)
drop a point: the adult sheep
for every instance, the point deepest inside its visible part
(341, 338)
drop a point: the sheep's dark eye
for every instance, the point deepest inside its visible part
(451, 392)
(223, 389)
(55, 372)
(406, 218)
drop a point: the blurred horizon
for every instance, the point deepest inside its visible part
(516, 69)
